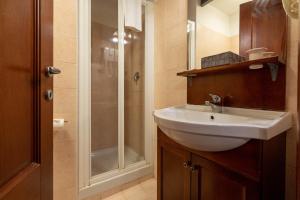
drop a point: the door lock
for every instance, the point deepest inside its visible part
(49, 95)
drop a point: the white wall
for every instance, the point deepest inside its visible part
(213, 19)
(234, 23)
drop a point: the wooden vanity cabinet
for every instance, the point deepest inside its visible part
(210, 181)
(254, 171)
(174, 176)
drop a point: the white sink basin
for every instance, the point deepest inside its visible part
(198, 128)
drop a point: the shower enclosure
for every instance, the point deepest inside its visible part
(115, 95)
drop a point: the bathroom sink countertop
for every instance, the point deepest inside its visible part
(232, 124)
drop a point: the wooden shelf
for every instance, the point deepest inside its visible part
(230, 67)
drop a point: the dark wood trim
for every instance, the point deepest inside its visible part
(298, 144)
(25, 185)
(242, 88)
(17, 180)
(246, 24)
(229, 68)
(45, 45)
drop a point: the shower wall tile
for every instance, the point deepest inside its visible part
(135, 93)
(65, 100)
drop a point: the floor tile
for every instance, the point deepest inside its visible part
(117, 196)
(144, 191)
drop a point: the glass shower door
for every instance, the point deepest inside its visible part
(134, 131)
(117, 90)
(104, 86)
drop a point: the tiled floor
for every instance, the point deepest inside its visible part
(143, 191)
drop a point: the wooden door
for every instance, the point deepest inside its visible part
(173, 172)
(25, 114)
(210, 181)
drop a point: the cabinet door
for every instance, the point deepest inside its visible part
(269, 27)
(246, 27)
(212, 182)
(173, 173)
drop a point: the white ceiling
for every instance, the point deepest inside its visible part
(229, 7)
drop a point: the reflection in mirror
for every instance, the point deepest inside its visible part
(213, 29)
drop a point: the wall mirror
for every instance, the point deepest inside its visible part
(229, 28)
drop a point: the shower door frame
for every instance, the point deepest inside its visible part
(88, 184)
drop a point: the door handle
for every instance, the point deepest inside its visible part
(52, 71)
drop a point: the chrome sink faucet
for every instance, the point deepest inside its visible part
(215, 103)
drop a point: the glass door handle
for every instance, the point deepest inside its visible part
(52, 71)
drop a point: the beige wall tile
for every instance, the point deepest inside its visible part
(68, 77)
(291, 105)
(65, 194)
(65, 100)
(170, 52)
(64, 171)
(65, 17)
(65, 48)
(64, 164)
(68, 133)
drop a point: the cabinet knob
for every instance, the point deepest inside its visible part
(194, 168)
(187, 164)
